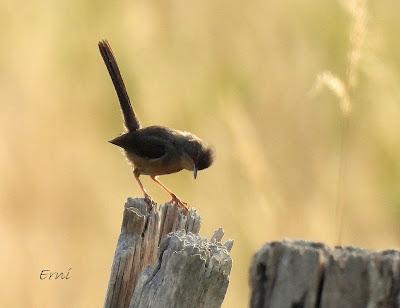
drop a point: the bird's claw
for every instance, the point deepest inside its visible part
(148, 199)
(183, 205)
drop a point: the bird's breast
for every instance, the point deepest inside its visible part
(164, 165)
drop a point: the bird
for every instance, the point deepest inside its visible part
(154, 150)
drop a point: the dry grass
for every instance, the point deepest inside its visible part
(343, 90)
(236, 74)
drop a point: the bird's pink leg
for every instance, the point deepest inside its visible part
(137, 174)
(175, 199)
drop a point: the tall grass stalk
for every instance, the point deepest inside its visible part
(344, 89)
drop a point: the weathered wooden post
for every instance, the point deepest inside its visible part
(305, 274)
(161, 261)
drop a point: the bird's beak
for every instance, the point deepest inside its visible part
(195, 172)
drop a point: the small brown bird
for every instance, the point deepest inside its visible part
(154, 150)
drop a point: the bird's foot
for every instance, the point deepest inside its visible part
(148, 199)
(179, 203)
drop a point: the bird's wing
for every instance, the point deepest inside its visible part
(143, 145)
(131, 121)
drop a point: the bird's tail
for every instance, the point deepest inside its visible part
(131, 121)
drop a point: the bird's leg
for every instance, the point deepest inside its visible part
(136, 173)
(175, 199)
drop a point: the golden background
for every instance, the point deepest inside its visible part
(300, 99)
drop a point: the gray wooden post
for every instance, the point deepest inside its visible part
(305, 274)
(158, 252)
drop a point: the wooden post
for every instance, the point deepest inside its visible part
(305, 274)
(161, 261)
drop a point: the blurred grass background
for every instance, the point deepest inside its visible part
(236, 73)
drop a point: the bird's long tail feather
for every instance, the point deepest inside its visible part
(131, 121)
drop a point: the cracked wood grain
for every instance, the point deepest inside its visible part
(162, 244)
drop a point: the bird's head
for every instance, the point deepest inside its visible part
(199, 155)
